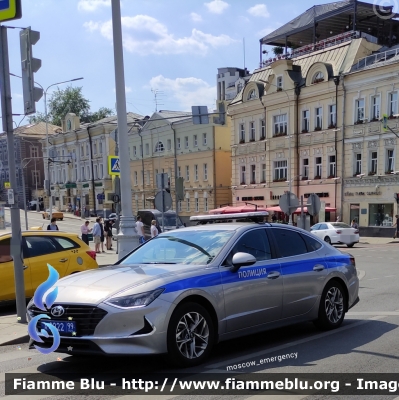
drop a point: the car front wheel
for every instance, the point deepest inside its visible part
(332, 306)
(327, 239)
(190, 335)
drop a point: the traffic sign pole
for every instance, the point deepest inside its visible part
(16, 236)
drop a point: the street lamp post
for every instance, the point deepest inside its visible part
(47, 170)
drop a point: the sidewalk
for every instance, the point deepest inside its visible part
(12, 331)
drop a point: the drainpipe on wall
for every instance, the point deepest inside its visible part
(92, 173)
(343, 142)
(296, 133)
(214, 168)
(176, 176)
(142, 166)
(336, 81)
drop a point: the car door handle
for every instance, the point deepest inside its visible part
(24, 267)
(63, 260)
(273, 275)
(318, 267)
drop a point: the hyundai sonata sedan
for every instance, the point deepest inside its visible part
(186, 290)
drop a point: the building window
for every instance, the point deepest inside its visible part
(136, 180)
(357, 164)
(242, 133)
(94, 148)
(100, 147)
(178, 143)
(205, 172)
(169, 144)
(196, 205)
(305, 168)
(305, 121)
(359, 111)
(253, 174)
(82, 150)
(156, 172)
(251, 131)
(34, 152)
(87, 150)
(35, 177)
(392, 104)
(318, 123)
(88, 174)
(331, 167)
(147, 149)
(318, 167)
(252, 95)
(195, 172)
(159, 147)
(243, 175)
(82, 174)
(390, 166)
(332, 116)
(186, 141)
(375, 108)
(96, 172)
(188, 204)
(179, 205)
(141, 151)
(206, 204)
(179, 172)
(187, 172)
(280, 170)
(195, 141)
(262, 129)
(280, 124)
(204, 139)
(148, 177)
(318, 77)
(279, 83)
(101, 169)
(373, 162)
(263, 180)
(381, 215)
(75, 173)
(135, 151)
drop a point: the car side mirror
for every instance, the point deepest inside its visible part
(242, 260)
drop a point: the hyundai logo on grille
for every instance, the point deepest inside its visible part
(57, 311)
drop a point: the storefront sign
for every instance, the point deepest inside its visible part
(363, 193)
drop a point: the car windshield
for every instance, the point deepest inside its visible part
(340, 225)
(184, 247)
(169, 220)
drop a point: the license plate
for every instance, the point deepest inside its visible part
(64, 327)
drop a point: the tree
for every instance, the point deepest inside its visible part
(70, 100)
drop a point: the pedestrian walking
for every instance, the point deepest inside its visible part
(85, 232)
(108, 233)
(102, 237)
(397, 227)
(53, 225)
(154, 230)
(97, 235)
(140, 230)
(354, 224)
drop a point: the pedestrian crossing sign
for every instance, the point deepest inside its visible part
(114, 166)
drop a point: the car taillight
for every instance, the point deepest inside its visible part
(352, 261)
(92, 254)
(339, 232)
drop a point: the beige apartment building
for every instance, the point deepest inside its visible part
(203, 159)
(291, 120)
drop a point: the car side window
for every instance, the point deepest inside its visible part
(5, 250)
(315, 227)
(40, 245)
(66, 243)
(254, 242)
(311, 243)
(323, 226)
(290, 243)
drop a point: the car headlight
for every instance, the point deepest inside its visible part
(135, 300)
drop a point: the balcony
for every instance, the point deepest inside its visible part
(376, 60)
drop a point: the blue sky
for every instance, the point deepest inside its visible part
(171, 46)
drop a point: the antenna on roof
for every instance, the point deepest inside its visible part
(157, 93)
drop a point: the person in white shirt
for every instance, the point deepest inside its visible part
(154, 230)
(140, 230)
(85, 230)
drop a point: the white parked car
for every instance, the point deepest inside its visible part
(336, 233)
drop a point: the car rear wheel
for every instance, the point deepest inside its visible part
(327, 239)
(351, 244)
(190, 335)
(332, 306)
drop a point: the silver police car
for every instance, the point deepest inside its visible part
(186, 290)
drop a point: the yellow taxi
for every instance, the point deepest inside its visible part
(56, 214)
(66, 252)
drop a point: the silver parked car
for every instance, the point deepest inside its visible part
(186, 290)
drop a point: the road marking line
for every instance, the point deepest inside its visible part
(287, 345)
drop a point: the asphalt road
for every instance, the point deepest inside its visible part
(367, 342)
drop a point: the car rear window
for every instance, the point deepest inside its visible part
(312, 243)
(340, 225)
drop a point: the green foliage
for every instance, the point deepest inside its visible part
(278, 50)
(70, 100)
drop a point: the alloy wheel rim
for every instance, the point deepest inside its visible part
(334, 305)
(192, 335)
(328, 240)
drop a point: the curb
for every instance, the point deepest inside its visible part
(19, 340)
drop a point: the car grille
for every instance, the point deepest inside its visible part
(86, 317)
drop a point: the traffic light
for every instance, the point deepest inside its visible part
(29, 65)
(384, 122)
